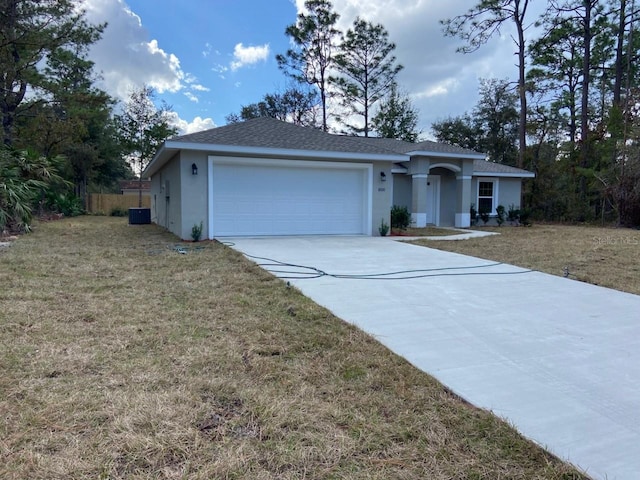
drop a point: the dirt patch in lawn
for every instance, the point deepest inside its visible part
(602, 256)
(127, 354)
(424, 232)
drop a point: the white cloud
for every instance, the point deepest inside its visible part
(199, 88)
(244, 56)
(191, 81)
(191, 97)
(220, 70)
(196, 125)
(440, 88)
(207, 50)
(125, 56)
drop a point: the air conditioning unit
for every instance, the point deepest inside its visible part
(139, 216)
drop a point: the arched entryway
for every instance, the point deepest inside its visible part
(441, 194)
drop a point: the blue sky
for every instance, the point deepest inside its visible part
(207, 58)
(229, 46)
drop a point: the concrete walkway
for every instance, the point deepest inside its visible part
(560, 359)
(456, 234)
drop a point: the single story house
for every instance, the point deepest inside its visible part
(267, 177)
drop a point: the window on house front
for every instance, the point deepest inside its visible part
(485, 197)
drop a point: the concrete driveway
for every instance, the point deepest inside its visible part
(560, 359)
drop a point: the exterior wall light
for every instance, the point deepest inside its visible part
(383, 177)
(194, 169)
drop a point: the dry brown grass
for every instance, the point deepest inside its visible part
(122, 358)
(603, 256)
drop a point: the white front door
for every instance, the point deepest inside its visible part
(433, 200)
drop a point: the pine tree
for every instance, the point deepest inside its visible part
(32, 34)
(396, 117)
(367, 70)
(314, 38)
(478, 25)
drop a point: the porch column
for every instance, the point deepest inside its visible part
(463, 195)
(419, 173)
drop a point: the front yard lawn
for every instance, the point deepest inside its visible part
(609, 257)
(123, 356)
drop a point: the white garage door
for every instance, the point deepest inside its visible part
(289, 198)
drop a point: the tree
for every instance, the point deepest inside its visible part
(396, 117)
(478, 25)
(309, 60)
(142, 129)
(557, 69)
(367, 71)
(32, 33)
(492, 127)
(294, 105)
(587, 37)
(461, 131)
(496, 118)
(579, 35)
(626, 56)
(75, 122)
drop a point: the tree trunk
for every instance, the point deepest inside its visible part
(10, 99)
(617, 83)
(522, 126)
(586, 79)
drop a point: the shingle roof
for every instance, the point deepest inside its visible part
(400, 146)
(271, 134)
(267, 132)
(482, 166)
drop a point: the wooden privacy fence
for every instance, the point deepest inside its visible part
(105, 203)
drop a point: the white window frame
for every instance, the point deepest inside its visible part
(494, 199)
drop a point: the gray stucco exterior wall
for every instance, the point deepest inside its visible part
(382, 193)
(507, 191)
(166, 197)
(194, 193)
(187, 203)
(510, 190)
(402, 190)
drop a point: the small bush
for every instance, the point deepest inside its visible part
(524, 217)
(473, 213)
(119, 212)
(500, 211)
(383, 229)
(196, 232)
(484, 216)
(67, 204)
(513, 213)
(400, 217)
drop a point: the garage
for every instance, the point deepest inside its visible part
(288, 197)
